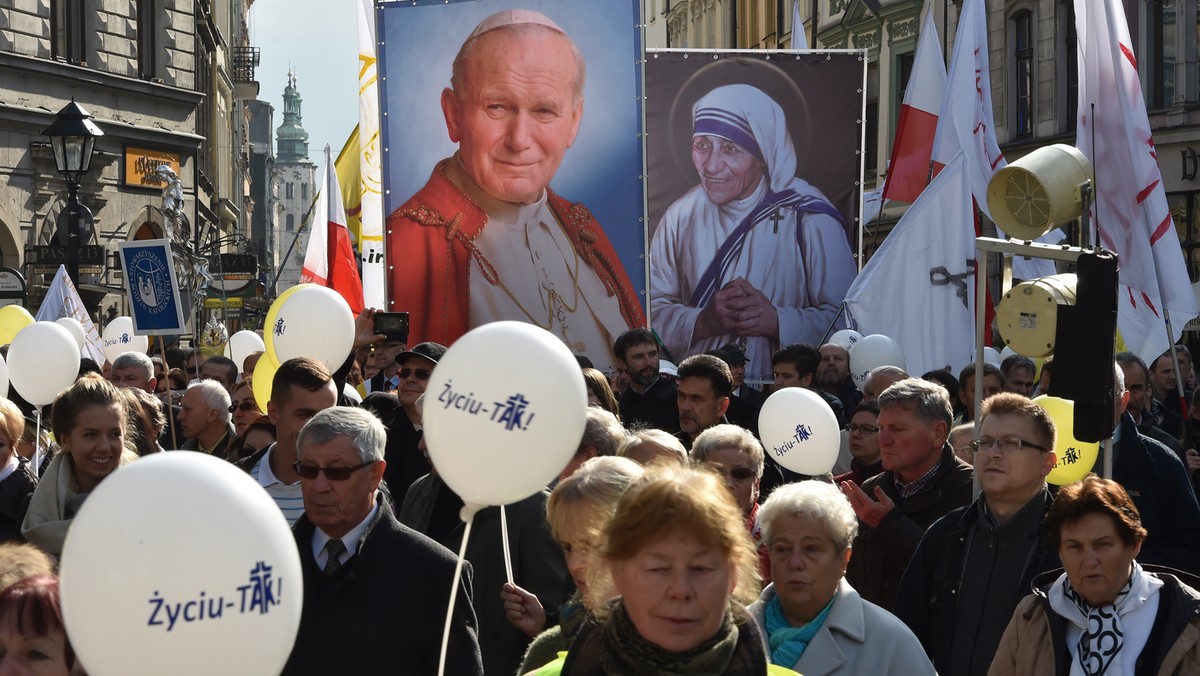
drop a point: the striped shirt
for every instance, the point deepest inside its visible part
(288, 497)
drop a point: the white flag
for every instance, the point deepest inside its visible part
(62, 300)
(919, 287)
(370, 239)
(799, 38)
(965, 121)
(1130, 210)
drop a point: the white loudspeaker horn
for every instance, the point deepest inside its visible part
(1039, 191)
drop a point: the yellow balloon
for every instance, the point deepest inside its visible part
(13, 318)
(269, 327)
(264, 374)
(1075, 458)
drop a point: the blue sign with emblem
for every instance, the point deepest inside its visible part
(152, 287)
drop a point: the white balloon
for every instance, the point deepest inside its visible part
(991, 356)
(43, 360)
(118, 338)
(1006, 353)
(498, 430)
(180, 563)
(242, 344)
(315, 322)
(71, 324)
(800, 431)
(870, 353)
(847, 338)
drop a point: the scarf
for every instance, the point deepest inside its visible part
(1098, 652)
(628, 653)
(788, 643)
(571, 617)
(55, 501)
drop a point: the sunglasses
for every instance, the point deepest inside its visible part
(422, 374)
(331, 473)
(243, 407)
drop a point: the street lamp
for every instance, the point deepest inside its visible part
(73, 137)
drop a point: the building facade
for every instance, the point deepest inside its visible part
(157, 77)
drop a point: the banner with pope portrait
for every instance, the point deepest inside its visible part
(512, 167)
(754, 170)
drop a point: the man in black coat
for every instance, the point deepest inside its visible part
(376, 593)
(975, 564)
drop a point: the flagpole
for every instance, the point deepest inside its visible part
(162, 352)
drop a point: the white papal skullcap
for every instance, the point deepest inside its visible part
(513, 17)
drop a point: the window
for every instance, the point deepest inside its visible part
(304, 192)
(290, 192)
(291, 223)
(66, 17)
(145, 39)
(1022, 45)
(1161, 47)
(1069, 74)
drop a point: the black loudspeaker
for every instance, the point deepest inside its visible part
(1084, 345)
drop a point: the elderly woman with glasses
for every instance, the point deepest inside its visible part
(814, 621)
(738, 457)
(1104, 614)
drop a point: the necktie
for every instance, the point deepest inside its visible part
(333, 551)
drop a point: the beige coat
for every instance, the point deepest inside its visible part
(1027, 647)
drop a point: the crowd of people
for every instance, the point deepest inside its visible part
(670, 542)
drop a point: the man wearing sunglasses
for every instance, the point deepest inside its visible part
(974, 565)
(301, 388)
(406, 463)
(357, 618)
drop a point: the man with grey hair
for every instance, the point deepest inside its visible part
(922, 481)
(136, 370)
(486, 239)
(350, 548)
(602, 435)
(205, 418)
(881, 378)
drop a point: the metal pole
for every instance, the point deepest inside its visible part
(981, 272)
(73, 231)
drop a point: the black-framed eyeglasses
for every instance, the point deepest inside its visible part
(862, 429)
(243, 407)
(331, 473)
(422, 374)
(1009, 444)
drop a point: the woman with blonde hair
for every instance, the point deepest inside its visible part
(89, 421)
(681, 562)
(578, 509)
(17, 479)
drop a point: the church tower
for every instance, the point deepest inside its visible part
(295, 187)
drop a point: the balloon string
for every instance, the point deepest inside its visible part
(504, 541)
(37, 445)
(462, 554)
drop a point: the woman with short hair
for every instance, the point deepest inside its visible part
(1104, 614)
(679, 558)
(33, 639)
(578, 509)
(814, 621)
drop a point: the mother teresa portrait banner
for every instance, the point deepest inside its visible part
(512, 167)
(753, 175)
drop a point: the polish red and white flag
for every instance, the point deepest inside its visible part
(329, 259)
(908, 170)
